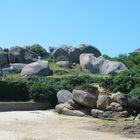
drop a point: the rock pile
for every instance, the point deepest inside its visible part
(99, 105)
(72, 54)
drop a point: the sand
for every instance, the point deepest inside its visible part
(48, 125)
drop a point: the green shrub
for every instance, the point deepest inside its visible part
(45, 88)
(125, 81)
(135, 92)
(13, 91)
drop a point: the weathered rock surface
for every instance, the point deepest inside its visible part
(63, 64)
(36, 68)
(99, 104)
(103, 101)
(89, 62)
(21, 55)
(64, 95)
(72, 54)
(96, 113)
(99, 65)
(112, 67)
(126, 100)
(114, 107)
(3, 58)
(67, 111)
(59, 107)
(85, 98)
(124, 114)
(13, 67)
(61, 53)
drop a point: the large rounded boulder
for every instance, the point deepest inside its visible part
(61, 53)
(36, 68)
(89, 62)
(112, 67)
(85, 98)
(84, 48)
(21, 55)
(100, 65)
(64, 95)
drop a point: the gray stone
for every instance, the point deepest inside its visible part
(64, 95)
(67, 111)
(21, 55)
(103, 101)
(63, 64)
(96, 113)
(72, 54)
(126, 100)
(3, 58)
(124, 114)
(89, 62)
(112, 67)
(85, 98)
(137, 117)
(59, 107)
(61, 53)
(85, 48)
(13, 67)
(99, 65)
(36, 68)
(30, 57)
(114, 107)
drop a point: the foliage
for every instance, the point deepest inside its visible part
(6, 50)
(135, 92)
(125, 81)
(42, 88)
(13, 91)
(38, 49)
(130, 60)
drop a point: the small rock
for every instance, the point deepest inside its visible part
(124, 114)
(59, 107)
(97, 113)
(114, 107)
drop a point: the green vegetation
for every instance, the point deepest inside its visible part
(13, 91)
(135, 92)
(130, 61)
(45, 88)
(37, 49)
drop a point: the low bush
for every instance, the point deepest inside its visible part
(45, 88)
(13, 91)
(135, 92)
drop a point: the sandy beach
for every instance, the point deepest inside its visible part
(48, 125)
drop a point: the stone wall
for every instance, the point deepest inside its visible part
(23, 106)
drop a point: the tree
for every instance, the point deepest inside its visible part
(38, 49)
